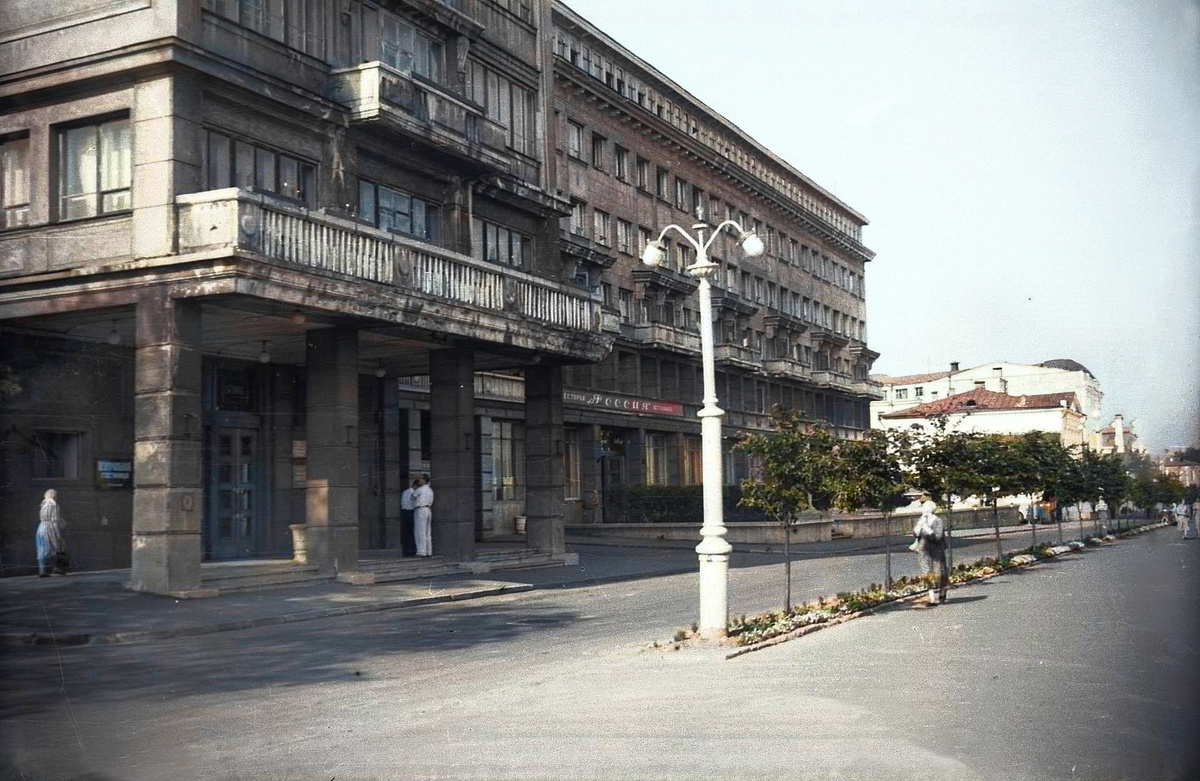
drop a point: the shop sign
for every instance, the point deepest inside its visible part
(621, 403)
(113, 474)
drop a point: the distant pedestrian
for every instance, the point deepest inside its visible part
(51, 537)
(408, 541)
(1023, 510)
(930, 532)
(1186, 520)
(423, 516)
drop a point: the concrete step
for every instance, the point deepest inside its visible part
(517, 559)
(247, 576)
(391, 570)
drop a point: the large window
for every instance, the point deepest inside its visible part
(56, 455)
(621, 163)
(498, 244)
(297, 23)
(656, 459)
(625, 236)
(398, 211)
(14, 182)
(236, 163)
(508, 104)
(408, 50)
(692, 467)
(508, 460)
(601, 224)
(95, 169)
(573, 484)
(574, 139)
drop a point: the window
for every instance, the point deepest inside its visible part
(409, 50)
(578, 210)
(692, 465)
(236, 163)
(598, 144)
(14, 182)
(508, 460)
(574, 139)
(621, 163)
(498, 244)
(56, 455)
(624, 236)
(919, 391)
(398, 211)
(571, 463)
(656, 459)
(643, 174)
(510, 105)
(643, 239)
(901, 394)
(681, 194)
(661, 178)
(95, 169)
(600, 224)
(625, 304)
(697, 202)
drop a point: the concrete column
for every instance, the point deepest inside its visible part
(166, 159)
(331, 495)
(395, 473)
(167, 473)
(544, 476)
(453, 458)
(589, 473)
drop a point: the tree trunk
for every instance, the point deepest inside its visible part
(787, 566)
(887, 550)
(996, 525)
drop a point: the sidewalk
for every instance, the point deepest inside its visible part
(95, 607)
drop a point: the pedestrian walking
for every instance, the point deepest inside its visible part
(408, 540)
(423, 516)
(1186, 520)
(51, 537)
(930, 532)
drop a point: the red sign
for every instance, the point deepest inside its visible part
(622, 403)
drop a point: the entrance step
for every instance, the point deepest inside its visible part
(247, 575)
(522, 558)
(412, 568)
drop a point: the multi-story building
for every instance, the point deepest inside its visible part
(1057, 376)
(990, 412)
(635, 152)
(261, 260)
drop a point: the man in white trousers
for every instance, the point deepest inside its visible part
(422, 516)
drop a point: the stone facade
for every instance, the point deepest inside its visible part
(261, 262)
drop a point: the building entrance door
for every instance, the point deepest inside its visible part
(613, 498)
(233, 494)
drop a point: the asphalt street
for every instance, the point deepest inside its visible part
(1087, 667)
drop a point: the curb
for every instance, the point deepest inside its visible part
(124, 638)
(1055, 552)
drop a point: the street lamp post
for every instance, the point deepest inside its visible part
(713, 550)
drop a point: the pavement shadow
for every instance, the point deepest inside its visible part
(34, 678)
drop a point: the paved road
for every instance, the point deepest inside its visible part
(1085, 668)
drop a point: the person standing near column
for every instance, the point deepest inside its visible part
(408, 544)
(51, 537)
(423, 515)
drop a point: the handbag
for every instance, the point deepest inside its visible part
(62, 561)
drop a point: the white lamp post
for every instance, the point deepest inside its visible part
(713, 550)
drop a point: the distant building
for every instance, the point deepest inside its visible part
(1117, 437)
(1185, 472)
(986, 411)
(1061, 375)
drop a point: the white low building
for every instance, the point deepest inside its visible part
(989, 412)
(1061, 375)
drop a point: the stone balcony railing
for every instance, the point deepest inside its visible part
(374, 92)
(667, 337)
(735, 355)
(284, 232)
(786, 367)
(869, 388)
(831, 379)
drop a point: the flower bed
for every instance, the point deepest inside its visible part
(753, 630)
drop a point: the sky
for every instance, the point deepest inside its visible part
(1030, 169)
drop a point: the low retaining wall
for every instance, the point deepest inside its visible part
(747, 533)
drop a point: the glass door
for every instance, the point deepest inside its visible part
(233, 519)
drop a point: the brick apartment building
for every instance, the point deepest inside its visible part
(260, 260)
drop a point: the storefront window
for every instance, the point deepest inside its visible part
(656, 459)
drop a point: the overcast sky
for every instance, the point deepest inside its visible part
(1030, 168)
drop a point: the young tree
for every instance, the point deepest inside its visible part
(795, 470)
(870, 473)
(941, 466)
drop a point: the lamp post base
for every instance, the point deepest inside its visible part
(714, 604)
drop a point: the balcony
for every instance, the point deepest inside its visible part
(667, 337)
(664, 279)
(869, 389)
(417, 108)
(778, 321)
(836, 380)
(786, 367)
(735, 356)
(262, 227)
(727, 300)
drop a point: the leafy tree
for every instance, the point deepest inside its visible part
(795, 470)
(870, 473)
(1190, 454)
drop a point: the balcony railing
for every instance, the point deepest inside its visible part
(786, 367)
(281, 231)
(667, 337)
(373, 91)
(736, 355)
(831, 379)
